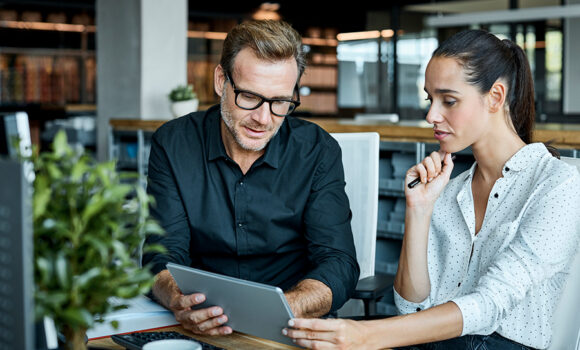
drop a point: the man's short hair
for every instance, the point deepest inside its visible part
(269, 40)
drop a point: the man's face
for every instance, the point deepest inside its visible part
(251, 130)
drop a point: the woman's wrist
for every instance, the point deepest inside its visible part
(419, 210)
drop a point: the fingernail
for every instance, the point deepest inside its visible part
(228, 331)
(198, 298)
(221, 319)
(291, 323)
(215, 312)
(285, 331)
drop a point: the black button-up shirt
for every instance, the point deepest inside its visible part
(286, 219)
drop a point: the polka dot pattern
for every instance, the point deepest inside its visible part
(512, 281)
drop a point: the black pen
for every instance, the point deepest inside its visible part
(418, 180)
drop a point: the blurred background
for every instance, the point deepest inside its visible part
(81, 63)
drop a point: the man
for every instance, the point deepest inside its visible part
(244, 189)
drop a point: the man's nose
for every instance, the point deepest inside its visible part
(263, 114)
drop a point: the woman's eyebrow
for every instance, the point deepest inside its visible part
(442, 91)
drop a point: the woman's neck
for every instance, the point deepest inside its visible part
(494, 150)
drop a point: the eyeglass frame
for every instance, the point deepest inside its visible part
(263, 98)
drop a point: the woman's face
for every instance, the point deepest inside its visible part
(457, 109)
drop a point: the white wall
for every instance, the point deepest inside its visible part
(163, 54)
(571, 74)
(141, 56)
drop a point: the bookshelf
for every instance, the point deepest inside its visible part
(46, 76)
(46, 63)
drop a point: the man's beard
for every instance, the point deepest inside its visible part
(227, 117)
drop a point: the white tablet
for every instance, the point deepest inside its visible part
(253, 308)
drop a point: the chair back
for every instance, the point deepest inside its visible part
(566, 326)
(360, 159)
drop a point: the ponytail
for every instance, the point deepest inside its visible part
(485, 59)
(521, 93)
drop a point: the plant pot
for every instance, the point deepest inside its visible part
(181, 108)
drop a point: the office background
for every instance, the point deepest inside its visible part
(102, 69)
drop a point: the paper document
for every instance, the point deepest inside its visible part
(142, 313)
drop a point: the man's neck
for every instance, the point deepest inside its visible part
(244, 158)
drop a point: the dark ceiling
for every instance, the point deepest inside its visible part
(302, 14)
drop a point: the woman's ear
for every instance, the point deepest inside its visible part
(219, 78)
(497, 96)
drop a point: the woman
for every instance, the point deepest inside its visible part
(485, 255)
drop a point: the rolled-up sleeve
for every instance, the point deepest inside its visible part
(168, 209)
(545, 243)
(328, 231)
(407, 307)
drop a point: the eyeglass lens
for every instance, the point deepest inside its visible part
(248, 100)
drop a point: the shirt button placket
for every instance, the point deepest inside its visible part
(240, 200)
(241, 205)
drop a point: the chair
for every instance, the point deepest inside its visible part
(566, 325)
(360, 159)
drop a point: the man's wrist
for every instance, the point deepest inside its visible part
(310, 298)
(164, 288)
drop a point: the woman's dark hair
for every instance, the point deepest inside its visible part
(485, 59)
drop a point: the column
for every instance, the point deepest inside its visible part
(141, 56)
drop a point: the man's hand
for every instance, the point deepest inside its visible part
(207, 321)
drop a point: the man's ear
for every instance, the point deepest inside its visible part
(219, 79)
(497, 96)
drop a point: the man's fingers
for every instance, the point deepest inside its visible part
(212, 323)
(202, 315)
(207, 321)
(187, 301)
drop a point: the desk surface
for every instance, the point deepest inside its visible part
(237, 341)
(561, 135)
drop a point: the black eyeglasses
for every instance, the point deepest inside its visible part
(250, 100)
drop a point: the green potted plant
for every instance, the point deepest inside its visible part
(183, 100)
(89, 225)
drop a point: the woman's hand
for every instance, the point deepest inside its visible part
(314, 333)
(434, 172)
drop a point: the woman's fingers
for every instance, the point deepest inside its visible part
(314, 344)
(314, 324)
(308, 334)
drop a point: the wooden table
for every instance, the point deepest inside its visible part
(561, 135)
(235, 341)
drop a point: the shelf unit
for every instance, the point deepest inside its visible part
(47, 63)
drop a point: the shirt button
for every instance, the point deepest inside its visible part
(496, 195)
(240, 225)
(418, 309)
(241, 183)
(507, 169)
(459, 284)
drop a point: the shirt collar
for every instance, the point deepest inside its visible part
(216, 148)
(524, 158)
